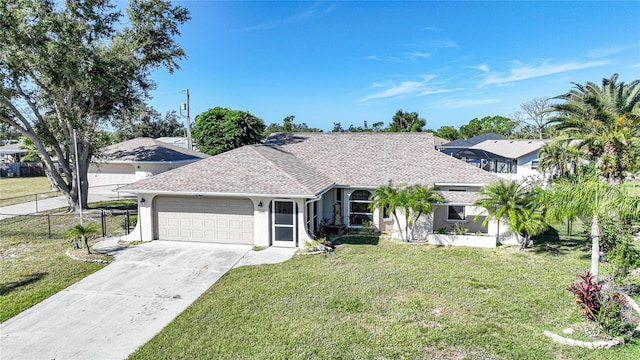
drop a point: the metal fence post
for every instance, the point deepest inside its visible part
(104, 223)
(36, 195)
(49, 224)
(127, 222)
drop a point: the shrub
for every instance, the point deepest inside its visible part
(609, 310)
(442, 230)
(623, 256)
(588, 294)
(459, 229)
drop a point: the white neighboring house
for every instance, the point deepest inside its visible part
(137, 159)
(279, 192)
(509, 159)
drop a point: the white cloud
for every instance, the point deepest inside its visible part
(418, 54)
(379, 58)
(481, 67)
(611, 50)
(416, 88)
(318, 10)
(520, 71)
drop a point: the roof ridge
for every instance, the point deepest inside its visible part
(254, 147)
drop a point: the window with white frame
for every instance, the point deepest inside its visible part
(359, 211)
(535, 164)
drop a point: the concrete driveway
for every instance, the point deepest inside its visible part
(112, 312)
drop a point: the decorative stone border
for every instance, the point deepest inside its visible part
(585, 344)
(85, 259)
(596, 344)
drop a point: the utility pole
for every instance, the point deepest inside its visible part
(185, 107)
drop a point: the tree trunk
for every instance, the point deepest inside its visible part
(595, 245)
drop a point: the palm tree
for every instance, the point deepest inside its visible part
(529, 222)
(559, 158)
(511, 201)
(419, 200)
(387, 199)
(83, 232)
(587, 196)
(414, 201)
(606, 121)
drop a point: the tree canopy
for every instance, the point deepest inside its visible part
(221, 129)
(489, 124)
(605, 121)
(145, 121)
(406, 122)
(73, 66)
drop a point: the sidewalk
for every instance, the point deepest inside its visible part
(95, 195)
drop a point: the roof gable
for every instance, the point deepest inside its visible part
(146, 150)
(464, 143)
(511, 149)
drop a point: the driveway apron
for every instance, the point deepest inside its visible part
(112, 312)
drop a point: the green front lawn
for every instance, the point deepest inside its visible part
(381, 300)
(23, 189)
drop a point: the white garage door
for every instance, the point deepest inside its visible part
(218, 220)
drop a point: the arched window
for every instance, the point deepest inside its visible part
(359, 207)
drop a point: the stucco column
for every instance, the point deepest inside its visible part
(144, 226)
(261, 222)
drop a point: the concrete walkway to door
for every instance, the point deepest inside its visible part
(112, 312)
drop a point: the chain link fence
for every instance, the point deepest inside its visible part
(54, 226)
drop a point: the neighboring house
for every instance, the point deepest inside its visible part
(279, 192)
(12, 152)
(451, 148)
(510, 159)
(136, 159)
(178, 141)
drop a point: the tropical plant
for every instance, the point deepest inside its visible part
(515, 202)
(588, 294)
(606, 122)
(624, 256)
(83, 233)
(559, 158)
(586, 196)
(413, 201)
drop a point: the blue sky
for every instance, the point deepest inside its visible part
(347, 62)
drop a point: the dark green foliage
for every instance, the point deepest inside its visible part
(220, 129)
(406, 122)
(624, 256)
(489, 124)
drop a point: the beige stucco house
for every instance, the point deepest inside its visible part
(279, 192)
(137, 159)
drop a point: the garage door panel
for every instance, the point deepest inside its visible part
(205, 219)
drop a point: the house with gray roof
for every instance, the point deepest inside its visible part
(452, 147)
(509, 159)
(280, 192)
(136, 159)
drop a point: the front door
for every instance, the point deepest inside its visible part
(283, 219)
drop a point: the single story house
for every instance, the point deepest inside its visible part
(136, 159)
(279, 192)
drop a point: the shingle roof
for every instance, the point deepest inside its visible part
(146, 149)
(511, 149)
(254, 169)
(307, 163)
(465, 143)
(372, 159)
